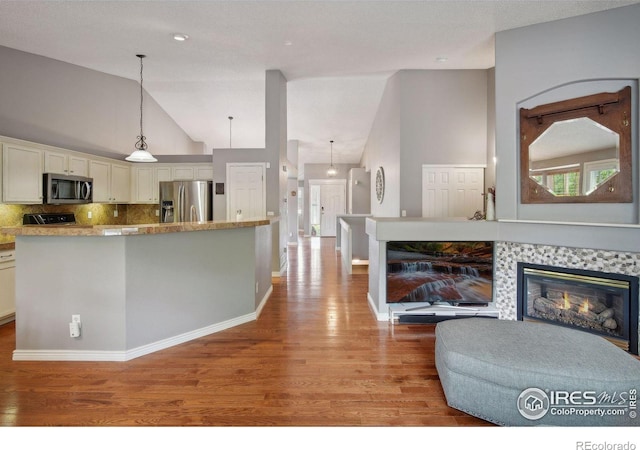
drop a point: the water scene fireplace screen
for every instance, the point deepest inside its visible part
(596, 302)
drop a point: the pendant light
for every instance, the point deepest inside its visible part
(332, 172)
(140, 154)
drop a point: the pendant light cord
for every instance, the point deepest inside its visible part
(331, 154)
(141, 144)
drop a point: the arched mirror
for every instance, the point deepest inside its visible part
(577, 150)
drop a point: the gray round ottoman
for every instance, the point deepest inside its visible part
(530, 373)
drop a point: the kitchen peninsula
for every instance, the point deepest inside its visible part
(137, 289)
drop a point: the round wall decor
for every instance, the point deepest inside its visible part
(380, 184)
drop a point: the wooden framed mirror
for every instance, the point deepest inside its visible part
(577, 150)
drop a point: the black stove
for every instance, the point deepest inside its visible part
(49, 219)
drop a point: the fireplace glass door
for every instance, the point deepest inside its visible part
(597, 302)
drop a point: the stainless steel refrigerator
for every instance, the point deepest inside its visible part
(186, 201)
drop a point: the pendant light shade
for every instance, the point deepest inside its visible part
(140, 154)
(332, 172)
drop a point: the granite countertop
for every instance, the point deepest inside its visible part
(120, 230)
(7, 246)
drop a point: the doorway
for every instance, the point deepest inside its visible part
(247, 194)
(452, 191)
(327, 199)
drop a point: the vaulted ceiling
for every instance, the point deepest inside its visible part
(336, 55)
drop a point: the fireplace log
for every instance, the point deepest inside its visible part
(551, 307)
(606, 314)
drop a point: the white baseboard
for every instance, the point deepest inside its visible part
(380, 317)
(96, 355)
(283, 270)
(68, 355)
(8, 318)
(263, 301)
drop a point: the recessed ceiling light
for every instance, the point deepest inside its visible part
(288, 43)
(442, 59)
(180, 37)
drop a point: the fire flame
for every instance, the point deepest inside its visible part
(567, 305)
(585, 306)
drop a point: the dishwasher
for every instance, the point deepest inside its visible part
(7, 286)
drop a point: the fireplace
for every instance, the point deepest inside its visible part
(596, 302)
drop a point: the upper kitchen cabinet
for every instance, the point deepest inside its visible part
(145, 180)
(111, 182)
(21, 174)
(65, 163)
(192, 172)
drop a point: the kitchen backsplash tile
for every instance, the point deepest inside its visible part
(139, 214)
(101, 214)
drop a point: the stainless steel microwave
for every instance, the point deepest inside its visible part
(64, 189)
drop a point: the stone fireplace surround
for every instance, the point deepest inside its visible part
(508, 254)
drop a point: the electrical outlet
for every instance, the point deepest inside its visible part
(74, 329)
(404, 213)
(89, 215)
(157, 213)
(257, 285)
(115, 213)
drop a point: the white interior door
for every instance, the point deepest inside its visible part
(332, 203)
(246, 188)
(436, 191)
(451, 191)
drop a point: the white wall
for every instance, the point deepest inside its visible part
(55, 103)
(535, 59)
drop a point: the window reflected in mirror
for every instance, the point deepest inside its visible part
(574, 157)
(577, 150)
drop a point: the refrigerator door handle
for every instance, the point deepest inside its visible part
(194, 214)
(183, 211)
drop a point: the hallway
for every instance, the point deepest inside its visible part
(315, 357)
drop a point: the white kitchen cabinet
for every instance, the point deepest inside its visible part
(111, 182)
(65, 163)
(164, 173)
(100, 171)
(7, 286)
(120, 183)
(183, 173)
(204, 172)
(145, 182)
(21, 174)
(145, 179)
(192, 172)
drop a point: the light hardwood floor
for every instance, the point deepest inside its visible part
(315, 357)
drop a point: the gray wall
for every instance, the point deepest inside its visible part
(208, 279)
(140, 290)
(537, 59)
(425, 117)
(359, 183)
(60, 104)
(383, 149)
(274, 153)
(263, 271)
